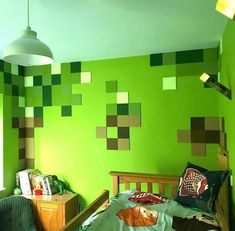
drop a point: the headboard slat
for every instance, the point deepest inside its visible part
(150, 187)
(138, 186)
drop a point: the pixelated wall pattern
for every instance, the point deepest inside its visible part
(203, 130)
(120, 116)
(36, 87)
(187, 63)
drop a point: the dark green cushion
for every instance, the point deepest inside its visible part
(16, 214)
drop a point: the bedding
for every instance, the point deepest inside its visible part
(134, 211)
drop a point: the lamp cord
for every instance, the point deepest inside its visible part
(28, 11)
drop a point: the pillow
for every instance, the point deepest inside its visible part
(198, 187)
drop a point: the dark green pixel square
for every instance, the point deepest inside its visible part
(38, 111)
(7, 78)
(75, 67)
(190, 56)
(111, 86)
(156, 59)
(21, 70)
(47, 97)
(66, 110)
(56, 79)
(122, 109)
(1, 65)
(37, 80)
(15, 90)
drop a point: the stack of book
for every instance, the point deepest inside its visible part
(30, 179)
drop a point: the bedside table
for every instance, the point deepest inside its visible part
(54, 211)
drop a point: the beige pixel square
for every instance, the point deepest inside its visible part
(123, 121)
(198, 149)
(85, 77)
(29, 163)
(21, 143)
(123, 144)
(122, 97)
(29, 122)
(101, 132)
(22, 164)
(29, 148)
(134, 121)
(213, 123)
(55, 68)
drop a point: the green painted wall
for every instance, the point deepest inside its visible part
(10, 89)
(68, 147)
(227, 107)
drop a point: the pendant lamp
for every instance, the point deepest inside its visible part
(28, 50)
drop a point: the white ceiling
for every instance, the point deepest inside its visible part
(78, 30)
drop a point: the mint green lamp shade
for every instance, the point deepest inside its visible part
(28, 50)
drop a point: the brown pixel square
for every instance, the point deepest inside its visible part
(198, 136)
(184, 136)
(124, 132)
(112, 144)
(198, 149)
(212, 137)
(111, 121)
(197, 123)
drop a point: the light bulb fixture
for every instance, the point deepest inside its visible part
(28, 50)
(216, 85)
(226, 7)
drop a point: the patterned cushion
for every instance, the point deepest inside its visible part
(199, 187)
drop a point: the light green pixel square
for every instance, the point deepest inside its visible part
(169, 83)
(112, 132)
(29, 112)
(28, 81)
(85, 77)
(14, 69)
(55, 68)
(21, 101)
(122, 97)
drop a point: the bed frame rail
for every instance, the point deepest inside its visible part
(74, 223)
(138, 179)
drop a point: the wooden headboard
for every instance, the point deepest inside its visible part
(138, 179)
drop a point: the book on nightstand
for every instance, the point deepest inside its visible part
(26, 180)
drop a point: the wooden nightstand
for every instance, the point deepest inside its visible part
(53, 212)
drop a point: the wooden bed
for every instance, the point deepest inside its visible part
(151, 182)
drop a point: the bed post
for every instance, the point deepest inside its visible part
(116, 182)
